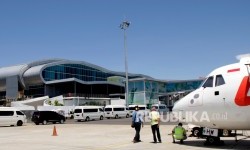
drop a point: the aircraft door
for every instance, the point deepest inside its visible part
(242, 97)
(248, 68)
(219, 89)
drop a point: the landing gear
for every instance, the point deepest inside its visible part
(196, 131)
(226, 132)
(213, 141)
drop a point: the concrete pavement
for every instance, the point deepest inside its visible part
(98, 137)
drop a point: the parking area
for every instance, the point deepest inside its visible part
(97, 135)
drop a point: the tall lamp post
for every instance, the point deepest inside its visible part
(124, 25)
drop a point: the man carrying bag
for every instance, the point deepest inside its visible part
(137, 123)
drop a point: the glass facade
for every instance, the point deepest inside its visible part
(78, 71)
(143, 90)
(182, 86)
(34, 91)
(147, 91)
(136, 92)
(81, 72)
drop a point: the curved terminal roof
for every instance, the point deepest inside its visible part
(31, 73)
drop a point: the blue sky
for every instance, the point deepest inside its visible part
(167, 39)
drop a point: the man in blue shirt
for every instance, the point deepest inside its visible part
(138, 123)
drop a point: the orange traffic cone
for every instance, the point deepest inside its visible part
(54, 131)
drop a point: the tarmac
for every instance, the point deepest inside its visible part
(84, 136)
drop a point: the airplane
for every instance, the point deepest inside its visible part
(221, 102)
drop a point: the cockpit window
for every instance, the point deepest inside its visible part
(219, 80)
(208, 82)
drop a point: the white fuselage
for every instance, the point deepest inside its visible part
(222, 101)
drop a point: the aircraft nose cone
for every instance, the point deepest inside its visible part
(177, 106)
(178, 111)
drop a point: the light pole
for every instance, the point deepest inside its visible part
(124, 25)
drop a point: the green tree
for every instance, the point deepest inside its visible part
(56, 103)
(49, 102)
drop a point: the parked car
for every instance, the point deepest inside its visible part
(47, 116)
(11, 116)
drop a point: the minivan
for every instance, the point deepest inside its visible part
(88, 113)
(161, 108)
(11, 116)
(115, 111)
(142, 108)
(47, 116)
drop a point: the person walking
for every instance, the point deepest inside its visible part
(155, 123)
(137, 123)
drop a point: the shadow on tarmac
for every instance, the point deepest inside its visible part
(228, 144)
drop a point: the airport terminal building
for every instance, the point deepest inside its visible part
(69, 78)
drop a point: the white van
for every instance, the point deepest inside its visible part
(88, 113)
(116, 111)
(142, 108)
(161, 108)
(11, 116)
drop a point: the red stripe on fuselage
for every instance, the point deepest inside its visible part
(233, 70)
